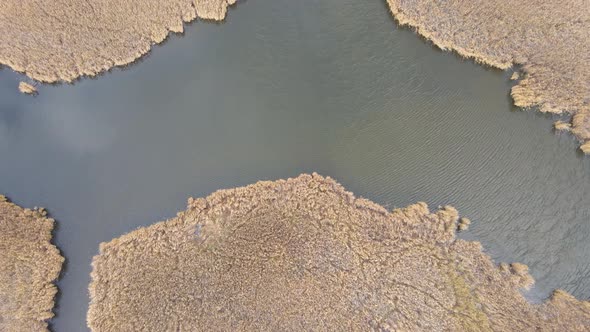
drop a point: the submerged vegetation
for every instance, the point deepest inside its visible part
(61, 40)
(549, 39)
(303, 254)
(29, 264)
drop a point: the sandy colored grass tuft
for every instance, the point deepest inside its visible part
(27, 88)
(562, 126)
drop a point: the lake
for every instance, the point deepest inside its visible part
(285, 87)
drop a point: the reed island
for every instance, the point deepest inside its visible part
(304, 254)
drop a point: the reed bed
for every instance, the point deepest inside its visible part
(61, 40)
(303, 254)
(29, 264)
(547, 39)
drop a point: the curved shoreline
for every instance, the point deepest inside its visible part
(29, 266)
(549, 40)
(62, 41)
(304, 253)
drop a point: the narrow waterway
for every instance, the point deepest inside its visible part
(284, 87)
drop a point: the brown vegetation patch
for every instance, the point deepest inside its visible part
(61, 40)
(29, 264)
(27, 88)
(304, 254)
(562, 126)
(548, 38)
(464, 224)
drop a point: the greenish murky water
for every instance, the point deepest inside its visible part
(285, 87)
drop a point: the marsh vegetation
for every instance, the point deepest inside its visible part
(29, 264)
(304, 254)
(548, 39)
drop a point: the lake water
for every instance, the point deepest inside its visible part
(284, 87)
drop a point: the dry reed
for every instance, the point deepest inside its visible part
(29, 264)
(27, 88)
(549, 39)
(304, 254)
(61, 40)
(562, 126)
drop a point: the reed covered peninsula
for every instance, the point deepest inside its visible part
(549, 40)
(304, 254)
(61, 40)
(29, 264)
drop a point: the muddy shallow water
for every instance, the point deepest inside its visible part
(287, 87)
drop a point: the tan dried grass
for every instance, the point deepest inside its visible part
(562, 126)
(27, 88)
(29, 264)
(61, 40)
(549, 39)
(304, 254)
